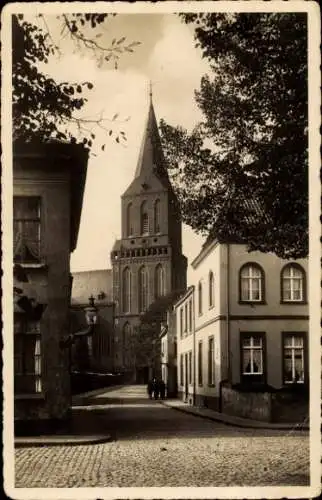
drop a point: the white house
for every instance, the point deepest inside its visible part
(248, 323)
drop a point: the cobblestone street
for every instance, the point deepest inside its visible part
(154, 445)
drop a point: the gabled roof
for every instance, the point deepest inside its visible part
(151, 168)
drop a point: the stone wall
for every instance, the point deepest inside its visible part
(255, 405)
(275, 406)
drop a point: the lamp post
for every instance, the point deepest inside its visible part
(91, 320)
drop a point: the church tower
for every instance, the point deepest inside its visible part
(147, 261)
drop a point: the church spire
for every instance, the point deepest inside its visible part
(151, 156)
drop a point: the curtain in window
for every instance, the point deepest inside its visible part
(292, 283)
(26, 229)
(293, 359)
(251, 283)
(252, 355)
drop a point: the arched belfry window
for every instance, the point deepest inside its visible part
(129, 220)
(126, 287)
(145, 226)
(159, 281)
(143, 289)
(157, 216)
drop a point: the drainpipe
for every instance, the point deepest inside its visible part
(228, 315)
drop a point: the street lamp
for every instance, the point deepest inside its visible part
(91, 312)
(91, 320)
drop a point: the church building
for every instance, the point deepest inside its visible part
(147, 262)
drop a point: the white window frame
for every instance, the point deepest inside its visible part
(254, 273)
(251, 348)
(293, 348)
(292, 278)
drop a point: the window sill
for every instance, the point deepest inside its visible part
(28, 396)
(253, 302)
(211, 307)
(38, 265)
(200, 385)
(211, 385)
(293, 302)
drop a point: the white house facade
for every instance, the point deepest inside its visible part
(249, 323)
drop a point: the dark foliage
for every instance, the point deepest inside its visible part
(252, 143)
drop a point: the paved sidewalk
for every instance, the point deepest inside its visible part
(85, 427)
(178, 404)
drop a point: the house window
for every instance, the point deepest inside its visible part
(26, 229)
(185, 317)
(200, 363)
(190, 368)
(211, 289)
(129, 220)
(159, 281)
(190, 315)
(27, 357)
(127, 278)
(144, 219)
(181, 322)
(211, 361)
(143, 289)
(181, 369)
(293, 358)
(293, 278)
(157, 216)
(252, 357)
(200, 298)
(251, 283)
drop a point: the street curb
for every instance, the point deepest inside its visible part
(33, 442)
(246, 425)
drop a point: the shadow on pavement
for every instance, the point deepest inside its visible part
(140, 418)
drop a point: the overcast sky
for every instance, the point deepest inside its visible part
(167, 56)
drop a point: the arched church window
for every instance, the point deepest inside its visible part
(126, 299)
(144, 219)
(159, 281)
(129, 220)
(157, 216)
(143, 289)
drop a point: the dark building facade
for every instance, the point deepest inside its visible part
(48, 186)
(94, 353)
(147, 262)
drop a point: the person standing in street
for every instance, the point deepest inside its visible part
(156, 388)
(162, 389)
